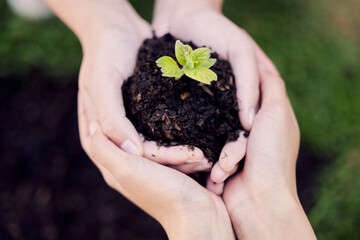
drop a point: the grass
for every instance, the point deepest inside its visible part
(315, 46)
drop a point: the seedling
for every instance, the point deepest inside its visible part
(195, 64)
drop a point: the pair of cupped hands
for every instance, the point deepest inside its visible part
(154, 178)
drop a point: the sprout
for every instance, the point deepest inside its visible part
(195, 64)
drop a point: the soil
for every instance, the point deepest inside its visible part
(181, 112)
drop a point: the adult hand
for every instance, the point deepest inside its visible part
(111, 32)
(203, 23)
(262, 199)
(185, 209)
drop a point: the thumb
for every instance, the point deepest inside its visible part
(155, 188)
(112, 119)
(122, 132)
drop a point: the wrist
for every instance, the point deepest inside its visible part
(168, 10)
(90, 20)
(272, 215)
(199, 221)
(109, 19)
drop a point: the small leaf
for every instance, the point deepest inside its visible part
(189, 61)
(200, 55)
(208, 63)
(180, 52)
(169, 67)
(201, 74)
(188, 49)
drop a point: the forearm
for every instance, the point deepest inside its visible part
(271, 217)
(89, 18)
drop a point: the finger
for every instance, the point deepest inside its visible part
(172, 155)
(117, 127)
(123, 166)
(264, 62)
(216, 188)
(234, 170)
(273, 90)
(203, 166)
(218, 175)
(233, 152)
(160, 21)
(243, 61)
(105, 104)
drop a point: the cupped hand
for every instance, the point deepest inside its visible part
(109, 59)
(185, 209)
(203, 23)
(272, 147)
(262, 198)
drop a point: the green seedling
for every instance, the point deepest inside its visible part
(195, 64)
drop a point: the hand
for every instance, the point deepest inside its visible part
(111, 33)
(262, 199)
(202, 23)
(185, 209)
(106, 64)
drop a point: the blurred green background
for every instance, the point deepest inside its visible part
(315, 45)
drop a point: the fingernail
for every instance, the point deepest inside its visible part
(224, 163)
(224, 177)
(201, 168)
(205, 162)
(93, 126)
(251, 115)
(193, 160)
(129, 147)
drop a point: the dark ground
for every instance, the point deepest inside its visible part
(49, 189)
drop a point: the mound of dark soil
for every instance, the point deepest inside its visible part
(175, 112)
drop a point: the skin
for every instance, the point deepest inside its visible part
(110, 33)
(262, 199)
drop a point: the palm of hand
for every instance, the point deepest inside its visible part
(271, 154)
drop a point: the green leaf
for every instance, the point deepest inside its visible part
(169, 67)
(208, 63)
(180, 52)
(201, 74)
(200, 55)
(188, 49)
(189, 61)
